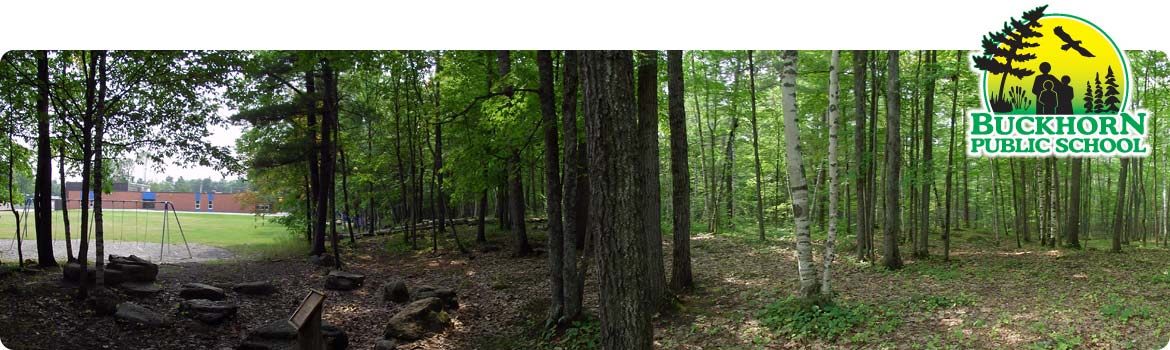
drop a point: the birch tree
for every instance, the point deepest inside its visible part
(796, 182)
(826, 286)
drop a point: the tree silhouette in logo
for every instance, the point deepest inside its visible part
(1089, 106)
(1007, 44)
(1111, 93)
(1098, 104)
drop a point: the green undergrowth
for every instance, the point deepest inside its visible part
(798, 319)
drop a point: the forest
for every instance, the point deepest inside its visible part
(560, 199)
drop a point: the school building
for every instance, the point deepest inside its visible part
(134, 196)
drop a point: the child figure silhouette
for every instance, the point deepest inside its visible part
(1047, 100)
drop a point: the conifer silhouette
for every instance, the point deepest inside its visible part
(1111, 93)
(1098, 105)
(1089, 107)
(1014, 36)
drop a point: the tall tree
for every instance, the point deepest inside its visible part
(893, 179)
(611, 123)
(552, 178)
(951, 154)
(99, 172)
(42, 199)
(573, 225)
(834, 115)
(809, 289)
(680, 272)
(520, 246)
(649, 173)
(861, 156)
(927, 171)
(756, 146)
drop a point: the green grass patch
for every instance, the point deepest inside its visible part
(242, 234)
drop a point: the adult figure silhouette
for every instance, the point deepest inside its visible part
(1038, 86)
(1064, 92)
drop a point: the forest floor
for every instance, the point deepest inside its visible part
(986, 297)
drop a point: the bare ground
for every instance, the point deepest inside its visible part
(985, 298)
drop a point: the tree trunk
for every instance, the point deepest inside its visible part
(756, 146)
(329, 117)
(65, 202)
(481, 213)
(1074, 197)
(1120, 212)
(611, 123)
(927, 171)
(520, 246)
(86, 166)
(860, 155)
(680, 174)
(893, 179)
(951, 154)
(316, 195)
(552, 182)
(42, 198)
(830, 241)
(99, 255)
(651, 193)
(573, 230)
(809, 288)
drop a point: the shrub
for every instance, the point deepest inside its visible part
(800, 319)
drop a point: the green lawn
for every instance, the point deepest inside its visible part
(239, 233)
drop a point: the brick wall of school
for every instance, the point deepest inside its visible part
(183, 201)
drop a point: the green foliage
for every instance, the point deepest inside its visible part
(1058, 341)
(583, 335)
(1122, 309)
(796, 318)
(931, 302)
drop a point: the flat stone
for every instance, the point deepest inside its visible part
(341, 280)
(446, 295)
(134, 268)
(140, 289)
(102, 302)
(255, 288)
(201, 291)
(208, 311)
(139, 314)
(280, 335)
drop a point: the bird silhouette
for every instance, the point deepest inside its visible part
(1069, 43)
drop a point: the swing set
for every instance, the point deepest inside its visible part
(122, 207)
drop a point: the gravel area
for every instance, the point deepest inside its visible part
(171, 253)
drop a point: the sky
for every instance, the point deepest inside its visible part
(353, 24)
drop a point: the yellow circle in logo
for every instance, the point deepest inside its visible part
(1071, 68)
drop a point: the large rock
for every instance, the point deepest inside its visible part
(201, 291)
(255, 288)
(139, 314)
(395, 291)
(446, 295)
(418, 320)
(208, 311)
(134, 268)
(341, 280)
(140, 289)
(280, 335)
(72, 273)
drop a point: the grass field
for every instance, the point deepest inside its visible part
(242, 234)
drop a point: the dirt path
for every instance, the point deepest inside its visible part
(171, 253)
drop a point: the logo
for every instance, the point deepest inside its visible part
(1054, 85)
